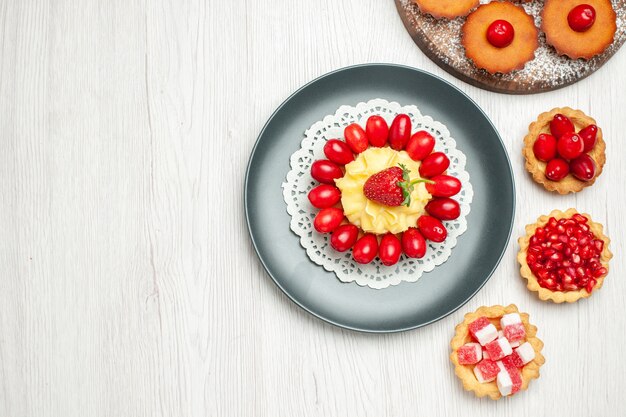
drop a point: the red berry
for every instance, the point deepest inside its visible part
(420, 145)
(413, 243)
(355, 138)
(390, 249)
(557, 169)
(325, 171)
(432, 229)
(338, 152)
(589, 136)
(391, 186)
(500, 33)
(544, 147)
(570, 145)
(560, 124)
(581, 17)
(377, 131)
(324, 196)
(444, 208)
(328, 219)
(400, 132)
(344, 237)
(443, 186)
(434, 164)
(365, 249)
(583, 167)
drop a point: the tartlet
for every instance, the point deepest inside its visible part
(448, 9)
(533, 283)
(500, 59)
(462, 336)
(578, 44)
(537, 168)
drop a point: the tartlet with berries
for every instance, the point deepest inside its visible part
(564, 150)
(496, 351)
(564, 256)
(384, 191)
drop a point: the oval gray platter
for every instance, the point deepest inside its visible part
(407, 305)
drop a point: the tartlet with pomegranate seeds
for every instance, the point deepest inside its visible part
(448, 9)
(538, 165)
(579, 28)
(564, 256)
(467, 373)
(500, 37)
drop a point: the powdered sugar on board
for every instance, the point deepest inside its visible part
(440, 40)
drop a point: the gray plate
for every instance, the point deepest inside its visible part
(408, 305)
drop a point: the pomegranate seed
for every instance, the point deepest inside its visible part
(556, 257)
(560, 228)
(566, 263)
(563, 238)
(550, 283)
(554, 237)
(579, 218)
(558, 246)
(597, 273)
(567, 252)
(599, 244)
(575, 259)
(594, 263)
(552, 222)
(583, 240)
(535, 250)
(584, 227)
(586, 252)
(534, 240)
(580, 272)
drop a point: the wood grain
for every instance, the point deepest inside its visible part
(129, 286)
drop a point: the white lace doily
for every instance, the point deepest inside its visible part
(299, 182)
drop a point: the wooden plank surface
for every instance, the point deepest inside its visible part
(129, 286)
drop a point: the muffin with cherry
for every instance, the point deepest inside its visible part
(564, 150)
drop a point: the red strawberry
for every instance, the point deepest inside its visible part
(391, 186)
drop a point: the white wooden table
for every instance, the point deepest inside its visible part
(129, 286)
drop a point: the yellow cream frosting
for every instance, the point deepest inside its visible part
(369, 215)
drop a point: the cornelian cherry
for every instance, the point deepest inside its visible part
(557, 169)
(560, 124)
(500, 33)
(544, 147)
(581, 17)
(589, 135)
(583, 167)
(570, 145)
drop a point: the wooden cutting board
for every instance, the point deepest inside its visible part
(440, 40)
